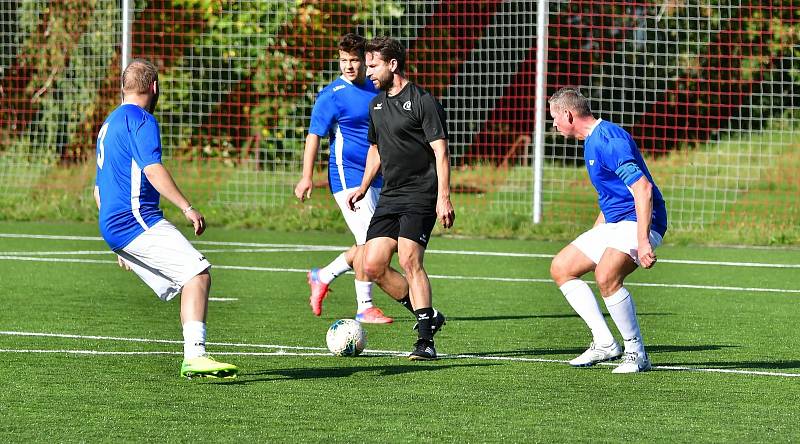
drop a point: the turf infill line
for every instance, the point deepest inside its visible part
(321, 351)
(269, 247)
(432, 276)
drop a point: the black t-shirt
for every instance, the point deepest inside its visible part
(402, 126)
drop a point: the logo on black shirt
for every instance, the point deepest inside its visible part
(378, 106)
(407, 105)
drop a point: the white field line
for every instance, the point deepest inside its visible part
(57, 253)
(150, 341)
(319, 351)
(433, 276)
(268, 247)
(97, 352)
(105, 252)
(223, 299)
(56, 259)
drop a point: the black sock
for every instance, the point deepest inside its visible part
(406, 302)
(425, 322)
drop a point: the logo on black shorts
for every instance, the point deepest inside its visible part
(407, 105)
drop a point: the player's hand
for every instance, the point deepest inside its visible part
(303, 189)
(197, 220)
(353, 198)
(121, 262)
(647, 257)
(445, 212)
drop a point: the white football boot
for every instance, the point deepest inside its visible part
(634, 362)
(597, 353)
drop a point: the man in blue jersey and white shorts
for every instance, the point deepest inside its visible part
(341, 111)
(130, 180)
(630, 226)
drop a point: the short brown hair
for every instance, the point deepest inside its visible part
(351, 43)
(139, 77)
(571, 98)
(389, 49)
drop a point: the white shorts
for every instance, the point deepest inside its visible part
(164, 259)
(619, 236)
(358, 220)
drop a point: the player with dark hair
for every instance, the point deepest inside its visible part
(341, 111)
(130, 180)
(631, 224)
(408, 143)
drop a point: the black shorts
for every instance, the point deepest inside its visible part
(410, 225)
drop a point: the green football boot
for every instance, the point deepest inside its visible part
(206, 367)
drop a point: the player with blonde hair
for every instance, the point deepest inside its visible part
(130, 180)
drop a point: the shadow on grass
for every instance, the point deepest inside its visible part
(344, 372)
(761, 365)
(533, 316)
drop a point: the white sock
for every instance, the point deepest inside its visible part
(623, 311)
(582, 300)
(194, 339)
(334, 269)
(363, 295)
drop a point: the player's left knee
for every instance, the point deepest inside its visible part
(607, 282)
(373, 270)
(557, 269)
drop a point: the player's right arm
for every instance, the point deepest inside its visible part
(97, 196)
(303, 189)
(96, 193)
(370, 171)
(323, 115)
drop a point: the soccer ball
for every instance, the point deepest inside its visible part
(346, 338)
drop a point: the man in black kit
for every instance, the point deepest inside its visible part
(408, 143)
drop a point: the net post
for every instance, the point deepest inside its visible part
(542, 12)
(126, 34)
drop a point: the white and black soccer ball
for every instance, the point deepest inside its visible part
(346, 338)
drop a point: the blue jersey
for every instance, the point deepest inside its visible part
(342, 112)
(606, 149)
(128, 141)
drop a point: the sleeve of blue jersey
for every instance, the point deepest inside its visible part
(629, 172)
(616, 153)
(146, 146)
(322, 115)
